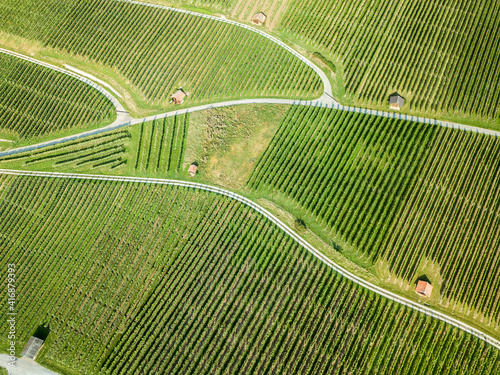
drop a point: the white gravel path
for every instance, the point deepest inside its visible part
(24, 366)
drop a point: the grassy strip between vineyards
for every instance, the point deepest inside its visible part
(36, 101)
(157, 51)
(410, 196)
(136, 278)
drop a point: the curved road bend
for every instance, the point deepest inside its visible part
(350, 276)
(327, 87)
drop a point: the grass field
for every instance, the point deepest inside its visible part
(135, 278)
(400, 192)
(36, 101)
(157, 51)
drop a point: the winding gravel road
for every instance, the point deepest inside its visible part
(374, 288)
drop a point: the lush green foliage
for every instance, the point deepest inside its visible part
(161, 145)
(154, 148)
(138, 278)
(398, 191)
(442, 56)
(160, 50)
(102, 152)
(35, 100)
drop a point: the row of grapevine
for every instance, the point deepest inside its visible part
(146, 278)
(161, 145)
(36, 101)
(102, 152)
(397, 191)
(160, 50)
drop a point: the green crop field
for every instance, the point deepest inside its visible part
(144, 278)
(443, 57)
(36, 101)
(397, 191)
(161, 145)
(102, 152)
(154, 148)
(158, 51)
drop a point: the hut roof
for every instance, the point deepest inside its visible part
(178, 96)
(396, 99)
(192, 169)
(32, 347)
(423, 287)
(259, 18)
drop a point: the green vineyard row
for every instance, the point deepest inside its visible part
(144, 278)
(161, 145)
(443, 57)
(35, 100)
(398, 191)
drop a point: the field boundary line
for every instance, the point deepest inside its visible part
(343, 272)
(315, 102)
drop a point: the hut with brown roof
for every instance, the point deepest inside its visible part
(193, 168)
(259, 18)
(178, 96)
(424, 288)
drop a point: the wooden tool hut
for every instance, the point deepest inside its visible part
(259, 18)
(396, 101)
(424, 288)
(178, 96)
(192, 170)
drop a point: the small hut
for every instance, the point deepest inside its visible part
(424, 288)
(32, 348)
(396, 101)
(178, 96)
(259, 18)
(192, 170)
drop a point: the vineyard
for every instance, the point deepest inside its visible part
(111, 269)
(161, 145)
(397, 191)
(35, 100)
(103, 152)
(154, 148)
(159, 51)
(443, 57)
